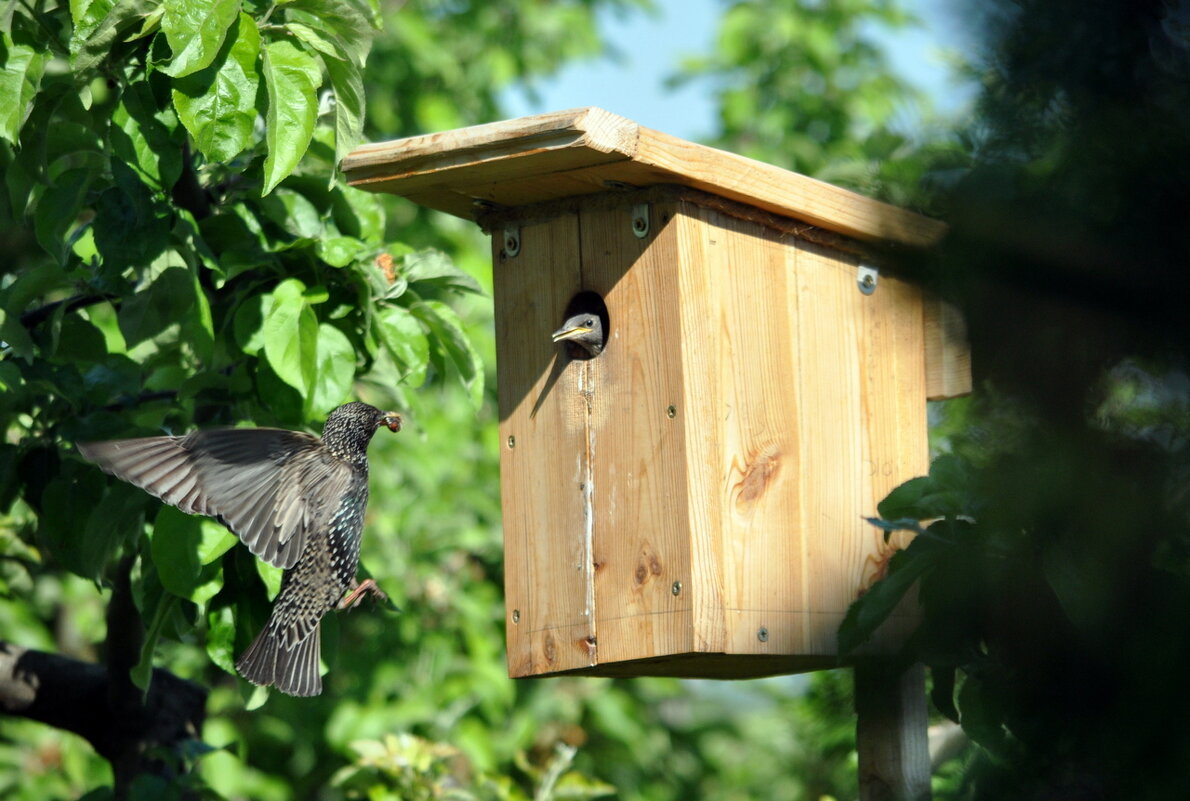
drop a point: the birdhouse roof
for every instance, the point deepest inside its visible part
(588, 150)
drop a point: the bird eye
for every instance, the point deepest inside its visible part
(588, 322)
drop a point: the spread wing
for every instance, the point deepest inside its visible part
(273, 488)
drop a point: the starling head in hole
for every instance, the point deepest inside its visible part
(585, 331)
(297, 502)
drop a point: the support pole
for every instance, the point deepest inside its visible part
(891, 737)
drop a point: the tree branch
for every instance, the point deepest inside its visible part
(75, 696)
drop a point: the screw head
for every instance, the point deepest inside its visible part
(511, 441)
(676, 588)
(671, 412)
(762, 634)
(516, 616)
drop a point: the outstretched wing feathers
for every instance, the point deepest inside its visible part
(273, 488)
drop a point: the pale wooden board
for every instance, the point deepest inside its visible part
(547, 559)
(579, 151)
(638, 454)
(892, 742)
(798, 403)
(739, 316)
(948, 353)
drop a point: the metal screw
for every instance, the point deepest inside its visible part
(511, 441)
(671, 412)
(640, 220)
(866, 278)
(516, 616)
(763, 634)
(677, 588)
(512, 242)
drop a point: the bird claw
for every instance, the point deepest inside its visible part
(352, 599)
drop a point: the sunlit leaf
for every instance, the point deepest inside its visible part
(290, 334)
(218, 104)
(196, 30)
(292, 77)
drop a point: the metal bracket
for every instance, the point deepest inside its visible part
(640, 220)
(512, 242)
(866, 277)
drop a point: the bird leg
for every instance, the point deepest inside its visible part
(352, 599)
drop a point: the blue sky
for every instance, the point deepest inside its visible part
(652, 46)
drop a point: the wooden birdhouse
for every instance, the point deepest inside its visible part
(691, 500)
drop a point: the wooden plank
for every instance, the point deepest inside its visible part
(891, 732)
(948, 353)
(638, 452)
(550, 624)
(580, 151)
(739, 314)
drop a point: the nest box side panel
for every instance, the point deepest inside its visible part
(863, 428)
(543, 433)
(643, 582)
(740, 317)
(813, 408)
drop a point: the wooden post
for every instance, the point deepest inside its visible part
(891, 738)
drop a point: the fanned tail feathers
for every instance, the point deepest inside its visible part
(292, 670)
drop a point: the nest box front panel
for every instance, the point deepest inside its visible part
(691, 500)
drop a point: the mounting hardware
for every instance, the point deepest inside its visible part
(671, 412)
(511, 441)
(763, 634)
(512, 242)
(676, 588)
(866, 277)
(640, 220)
(516, 616)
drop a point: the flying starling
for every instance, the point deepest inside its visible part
(584, 331)
(295, 500)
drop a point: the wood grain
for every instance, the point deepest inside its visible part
(638, 451)
(582, 151)
(891, 732)
(550, 623)
(948, 352)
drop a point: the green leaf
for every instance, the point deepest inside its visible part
(874, 606)
(58, 210)
(339, 251)
(452, 341)
(348, 86)
(98, 25)
(84, 521)
(165, 299)
(437, 267)
(143, 672)
(358, 213)
(248, 325)
(350, 21)
(942, 691)
(145, 139)
(221, 638)
(292, 78)
(336, 369)
(19, 82)
(290, 334)
(195, 30)
(126, 206)
(218, 104)
(182, 544)
(405, 339)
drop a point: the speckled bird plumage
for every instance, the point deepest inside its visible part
(295, 500)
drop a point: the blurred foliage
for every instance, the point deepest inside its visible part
(808, 87)
(1053, 547)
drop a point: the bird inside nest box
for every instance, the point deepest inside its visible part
(704, 388)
